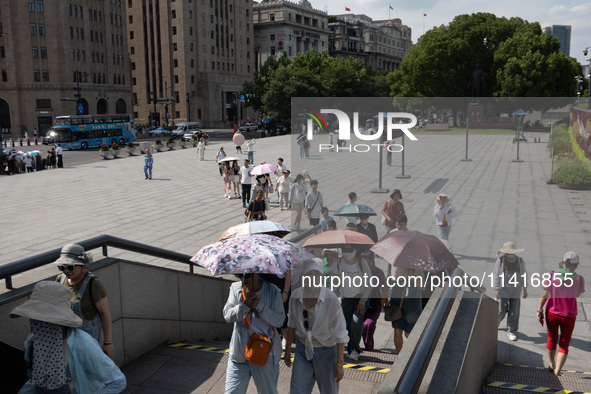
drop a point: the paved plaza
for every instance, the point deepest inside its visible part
(183, 209)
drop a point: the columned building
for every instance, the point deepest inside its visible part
(187, 58)
(381, 44)
(288, 27)
(61, 58)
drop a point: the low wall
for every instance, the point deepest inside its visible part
(149, 305)
(466, 350)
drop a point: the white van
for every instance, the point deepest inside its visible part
(186, 128)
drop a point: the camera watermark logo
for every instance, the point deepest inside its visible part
(394, 123)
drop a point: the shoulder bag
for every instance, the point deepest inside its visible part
(384, 219)
(394, 312)
(259, 345)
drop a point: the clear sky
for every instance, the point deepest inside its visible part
(576, 13)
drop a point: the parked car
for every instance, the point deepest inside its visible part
(158, 132)
(249, 127)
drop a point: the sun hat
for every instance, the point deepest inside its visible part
(572, 256)
(73, 254)
(442, 196)
(396, 191)
(49, 302)
(509, 248)
(314, 264)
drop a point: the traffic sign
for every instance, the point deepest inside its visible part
(242, 98)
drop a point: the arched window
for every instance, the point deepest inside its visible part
(120, 107)
(102, 107)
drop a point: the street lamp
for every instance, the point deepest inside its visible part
(585, 52)
(579, 79)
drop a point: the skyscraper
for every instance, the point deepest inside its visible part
(562, 32)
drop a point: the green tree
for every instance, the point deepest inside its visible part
(518, 59)
(256, 88)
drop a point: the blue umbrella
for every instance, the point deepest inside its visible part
(33, 153)
(354, 210)
(519, 112)
(9, 150)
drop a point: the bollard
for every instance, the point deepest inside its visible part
(28, 142)
(35, 140)
(20, 140)
(12, 142)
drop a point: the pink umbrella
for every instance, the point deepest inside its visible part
(413, 249)
(263, 169)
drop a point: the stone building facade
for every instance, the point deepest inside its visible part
(283, 26)
(381, 44)
(187, 59)
(59, 57)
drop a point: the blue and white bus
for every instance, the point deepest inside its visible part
(91, 131)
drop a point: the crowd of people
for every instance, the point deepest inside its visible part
(14, 162)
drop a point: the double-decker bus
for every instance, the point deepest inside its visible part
(90, 131)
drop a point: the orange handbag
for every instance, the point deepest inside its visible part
(259, 345)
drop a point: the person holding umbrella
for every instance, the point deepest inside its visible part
(509, 278)
(255, 307)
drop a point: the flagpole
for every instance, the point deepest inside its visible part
(423, 23)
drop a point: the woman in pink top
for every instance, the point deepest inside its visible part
(560, 299)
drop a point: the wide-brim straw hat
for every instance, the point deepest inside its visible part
(441, 197)
(49, 302)
(509, 248)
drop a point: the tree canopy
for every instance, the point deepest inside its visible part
(515, 58)
(310, 74)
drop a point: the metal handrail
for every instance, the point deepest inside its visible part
(305, 234)
(29, 263)
(412, 376)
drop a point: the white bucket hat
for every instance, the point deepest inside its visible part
(49, 302)
(441, 197)
(509, 248)
(314, 264)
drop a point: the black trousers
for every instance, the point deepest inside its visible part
(246, 193)
(60, 161)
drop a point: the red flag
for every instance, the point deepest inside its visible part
(424, 14)
(347, 9)
(435, 27)
(391, 8)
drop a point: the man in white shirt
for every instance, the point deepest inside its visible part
(313, 204)
(60, 159)
(246, 182)
(219, 157)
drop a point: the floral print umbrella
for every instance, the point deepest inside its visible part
(254, 253)
(256, 227)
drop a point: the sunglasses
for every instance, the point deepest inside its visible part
(306, 324)
(63, 267)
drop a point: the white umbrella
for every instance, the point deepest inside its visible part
(230, 159)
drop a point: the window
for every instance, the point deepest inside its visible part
(190, 14)
(248, 27)
(191, 46)
(133, 81)
(272, 52)
(32, 6)
(133, 65)
(175, 62)
(213, 65)
(192, 79)
(130, 19)
(132, 50)
(174, 30)
(173, 14)
(41, 29)
(43, 103)
(131, 35)
(192, 63)
(247, 12)
(191, 30)
(176, 79)
(73, 54)
(36, 75)
(33, 28)
(83, 59)
(174, 46)
(81, 34)
(4, 76)
(272, 17)
(272, 38)
(2, 53)
(40, 6)
(45, 76)
(35, 51)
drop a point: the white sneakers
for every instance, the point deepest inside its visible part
(353, 356)
(512, 336)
